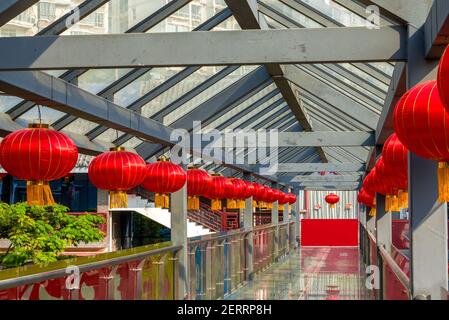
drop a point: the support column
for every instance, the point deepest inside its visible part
(383, 223)
(112, 220)
(297, 216)
(428, 231)
(428, 217)
(179, 237)
(248, 224)
(275, 222)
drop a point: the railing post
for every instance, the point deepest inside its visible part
(248, 224)
(275, 222)
(297, 217)
(179, 237)
(383, 237)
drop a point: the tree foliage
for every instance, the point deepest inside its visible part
(39, 234)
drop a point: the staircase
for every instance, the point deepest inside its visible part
(195, 227)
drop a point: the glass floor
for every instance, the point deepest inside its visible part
(310, 274)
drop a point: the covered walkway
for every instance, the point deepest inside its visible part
(310, 274)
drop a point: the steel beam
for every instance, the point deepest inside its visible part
(328, 94)
(246, 14)
(134, 74)
(318, 167)
(402, 11)
(9, 9)
(219, 104)
(84, 145)
(204, 48)
(60, 95)
(398, 87)
(437, 29)
(320, 179)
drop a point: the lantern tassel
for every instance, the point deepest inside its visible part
(216, 205)
(443, 182)
(118, 199)
(39, 193)
(193, 203)
(403, 199)
(372, 212)
(255, 204)
(332, 206)
(161, 200)
(281, 207)
(231, 204)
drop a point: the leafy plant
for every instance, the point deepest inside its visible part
(39, 234)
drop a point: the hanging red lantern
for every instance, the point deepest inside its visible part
(259, 195)
(270, 197)
(420, 122)
(217, 191)
(332, 199)
(249, 190)
(395, 156)
(386, 186)
(368, 200)
(117, 171)
(282, 200)
(198, 183)
(164, 177)
(443, 78)
(235, 193)
(291, 198)
(39, 155)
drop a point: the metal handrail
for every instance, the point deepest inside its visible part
(403, 278)
(35, 278)
(217, 236)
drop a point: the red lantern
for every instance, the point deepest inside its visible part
(249, 189)
(420, 122)
(368, 200)
(291, 198)
(443, 78)
(164, 177)
(270, 197)
(198, 183)
(38, 154)
(260, 194)
(395, 156)
(217, 191)
(332, 199)
(235, 193)
(117, 171)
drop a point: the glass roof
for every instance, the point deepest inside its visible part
(170, 94)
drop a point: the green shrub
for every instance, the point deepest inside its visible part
(39, 234)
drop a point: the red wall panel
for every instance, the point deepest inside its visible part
(329, 232)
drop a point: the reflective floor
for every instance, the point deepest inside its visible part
(312, 274)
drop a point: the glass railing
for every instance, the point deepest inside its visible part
(143, 273)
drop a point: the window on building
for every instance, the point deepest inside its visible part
(99, 20)
(46, 11)
(196, 12)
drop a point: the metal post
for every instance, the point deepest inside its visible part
(428, 217)
(275, 222)
(383, 223)
(428, 228)
(248, 224)
(179, 237)
(297, 216)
